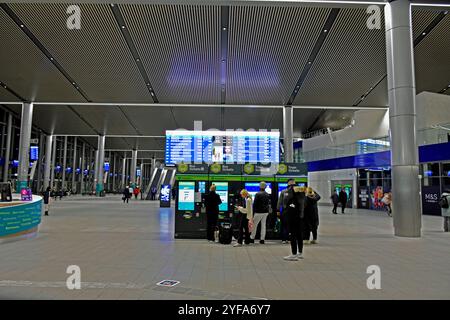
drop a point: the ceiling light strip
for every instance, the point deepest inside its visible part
(416, 42)
(315, 51)
(41, 47)
(224, 24)
(137, 59)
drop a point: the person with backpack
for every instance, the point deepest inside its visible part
(445, 210)
(212, 202)
(261, 209)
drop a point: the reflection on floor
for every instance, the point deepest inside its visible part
(123, 250)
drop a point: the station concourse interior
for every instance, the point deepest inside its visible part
(347, 96)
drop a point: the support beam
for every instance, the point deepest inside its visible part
(406, 197)
(83, 167)
(8, 148)
(64, 161)
(74, 166)
(52, 173)
(288, 132)
(133, 167)
(24, 146)
(48, 160)
(101, 160)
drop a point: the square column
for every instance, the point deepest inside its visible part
(48, 160)
(8, 148)
(100, 162)
(288, 130)
(133, 168)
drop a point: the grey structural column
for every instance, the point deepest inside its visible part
(114, 173)
(133, 166)
(48, 160)
(101, 160)
(74, 165)
(406, 199)
(52, 173)
(83, 164)
(95, 169)
(63, 184)
(40, 161)
(124, 171)
(288, 129)
(8, 147)
(24, 145)
(142, 173)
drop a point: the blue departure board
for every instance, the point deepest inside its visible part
(222, 147)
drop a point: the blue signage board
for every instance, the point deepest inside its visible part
(106, 166)
(34, 153)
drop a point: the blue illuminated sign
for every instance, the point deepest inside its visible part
(106, 166)
(34, 153)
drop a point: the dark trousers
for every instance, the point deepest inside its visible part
(211, 224)
(243, 230)
(308, 230)
(295, 226)
(343, 206)
(284, 227)
(335, 205)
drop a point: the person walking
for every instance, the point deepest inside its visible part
(246, 219)
(445, 209)
(212, 202)
(126, 194)
(295, 209)
(335, 200)
(311, 215)
(153, 193)
(136, 192)
(261, 209)
(282, 213)
(47, 197)
(343, 199)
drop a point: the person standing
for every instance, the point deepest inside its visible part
(335, 200)
(153, 193)
(136, 192)
(212, 202)
(246, 219)
(282, 213)
(47, 200)
(311, 215)
(261, 209)
(343, 199)
(295, 208)
(445, 209)
(387, 200)
(126, 194)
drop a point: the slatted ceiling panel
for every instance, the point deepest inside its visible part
(351, 60)
(180, 49)
(146, 143)
(210, 117)
(60, 120)
(5, 95)
(247, 118)
(26, 69)
(432, 59)
(267, 49)
(378, 96)
(96, 56)
(106, 119)
(421, 19)
(115, 143)
(151, 120)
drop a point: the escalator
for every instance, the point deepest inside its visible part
(154, 182)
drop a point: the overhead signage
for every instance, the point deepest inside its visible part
(192, 168)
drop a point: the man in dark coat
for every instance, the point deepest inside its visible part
(335, 200)
(311, 215)
(295, 209)
(212, 202)
(343, 199)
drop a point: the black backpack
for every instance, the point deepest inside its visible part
(443, 202)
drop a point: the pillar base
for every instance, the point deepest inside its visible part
(20, 185)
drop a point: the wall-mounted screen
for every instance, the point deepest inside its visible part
(183, 146)
(253, 188)
(34, 153)
(202, 186)
(222, 191)
(186, 191)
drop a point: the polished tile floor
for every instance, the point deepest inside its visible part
(124, 250)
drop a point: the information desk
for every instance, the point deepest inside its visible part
(20, 219)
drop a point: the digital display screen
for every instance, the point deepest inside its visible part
(106, 166)
(222, 191)
(184, 146)
(186, 191)
(253, 188)
(202, 186)
(34, 153)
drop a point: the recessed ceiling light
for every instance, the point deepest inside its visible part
(112, 5)
(51, 59)
(224, 28)
(137, 60)
(123, 27)
(325, 30)
(424, 33)
(309, 62)
(21, 25)
(445, 12)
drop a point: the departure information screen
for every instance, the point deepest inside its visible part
(222, 147)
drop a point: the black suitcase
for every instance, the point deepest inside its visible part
(225, 233)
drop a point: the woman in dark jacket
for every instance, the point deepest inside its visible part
(311, 215)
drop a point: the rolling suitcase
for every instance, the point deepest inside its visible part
(225, 233)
